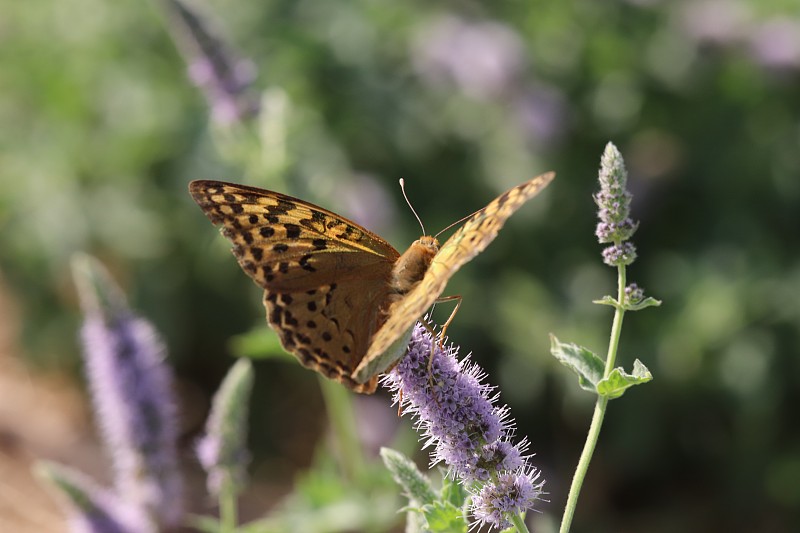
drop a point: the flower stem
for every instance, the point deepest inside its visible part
(519, 523)
(227, 505)
(339, 404)
(599, 410)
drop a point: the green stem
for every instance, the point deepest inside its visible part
(519, 523)
(227, 505)
(339, 403)
(599, 410)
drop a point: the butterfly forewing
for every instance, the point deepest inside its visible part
(326, 279)
(281, 241)
(469, 240)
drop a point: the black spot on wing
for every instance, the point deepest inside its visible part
(292, 231)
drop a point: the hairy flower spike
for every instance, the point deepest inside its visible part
(511, 494)
(223, 449)
(90, 509)
(457, 415)
(132, 397)
(614, 201)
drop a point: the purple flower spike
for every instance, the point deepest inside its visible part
(223, 77)
(613, 201)
(222, 451)
(511, 494)
(457, 415)
(132, 397)
(90, 508)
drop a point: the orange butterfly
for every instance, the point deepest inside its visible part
(342, 299)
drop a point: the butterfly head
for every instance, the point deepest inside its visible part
(422, 251)
(430, 244)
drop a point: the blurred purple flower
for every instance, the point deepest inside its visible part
(90, 508)
(542, 111)
(223, 449)
(481, 59)
(776, 43)
(368, 203)
(457, 415)
(223, 77)
(716, 21)
(131, 395)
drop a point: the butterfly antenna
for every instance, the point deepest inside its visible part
(403, 188)
(459, 221)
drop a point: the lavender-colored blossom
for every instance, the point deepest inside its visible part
(223, 77)
(482, 59)
(633, 294)
(613, 201)
(542, 111)
(132, 397)
(716, 21)
(222, 451)
(456, 413)
(619, 254)
(776, 43)
(511, 493)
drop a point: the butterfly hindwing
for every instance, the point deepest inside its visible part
(329, 328)
(326, 279)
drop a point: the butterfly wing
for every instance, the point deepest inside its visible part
(326, 279)
(470, 239)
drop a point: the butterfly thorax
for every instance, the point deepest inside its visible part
(410, 268)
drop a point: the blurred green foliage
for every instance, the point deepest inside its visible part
(102, 130)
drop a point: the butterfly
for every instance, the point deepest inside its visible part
(341, 298)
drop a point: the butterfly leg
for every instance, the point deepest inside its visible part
(458, 299)
(440, 343)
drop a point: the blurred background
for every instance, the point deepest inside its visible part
(109, 109)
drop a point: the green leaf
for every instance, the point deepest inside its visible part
(586, 364)
(607, 300)
(444, 517)
(638, 306)
(407, 475)
(453, 492)
(647, 302)
(619, 381)
(323, 501)
(206, 524)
